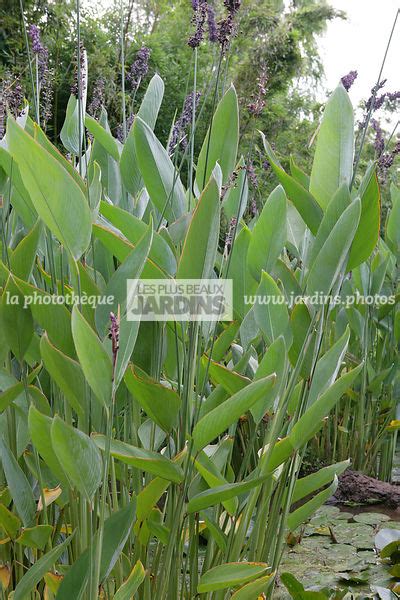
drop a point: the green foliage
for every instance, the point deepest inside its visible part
(125, 441)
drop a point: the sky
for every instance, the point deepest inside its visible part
(359, 43)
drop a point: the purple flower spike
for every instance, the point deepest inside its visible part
(349, 79)
(139, 67)
(211, 24)
(178, 133)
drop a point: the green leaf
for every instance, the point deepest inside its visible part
(270, 311)
(66, 373)
(161, 404)
(20, 198)
(18, 485)
(95, 362)
(131, 268)
(38, 570)
(328, 367)
(304, 512)
(219, 419)
(230, 575)
(148, 112)
(221, 494)
(116, 531)
(269, 234)
(333, 254)
(145, 460)
(35, 537)
(367, 234)
(393, 222)
(243, 282)
(307, 485)
(299, 175)
(340, 201)
(55, 319)
(103, 136)
(133, 228)
(57, 198)
(305, 203)
(231, 381)
(254, 589)
(121, 248)
(311, 421)
(9, 522)
(162, 182)
(131, 585)
(16, 321)
(273, 361)
(23, 257)
(200, 246)
(333, 158)
(79, 457)
(222, 143)
(72, 130)
(40, 432)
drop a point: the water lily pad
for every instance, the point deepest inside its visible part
(371, 518)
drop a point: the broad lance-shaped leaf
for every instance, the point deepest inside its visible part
(159, 175)
(230, 575)
(134, 228)
(367, 234)
(79, 457)
(243, 282)
(57, 198)
(120, 248)
(328, 367)
(130, 586)
(333, 158)
(148, 111)
(307, 485)
(336, 207)
(145, 460)
(299, 196)
(304, 512)
(254, 589)
(219, 419)
(103, 136)
(23, 257)
(393, 222)
(20, 489)
(55, 319)
(110, 174)
(222, 143)
(32, 577)
(40, 432)
(221, 494)
(269, 234)
(35, 537)
(161, 404)
(131, 268)
(9, 522)
(72, 130)
(94, 360)
(312, 420)
(15, 320)
(200, 246)
(116, 531)
(270, 311)
(331, 258)
(66, 373)
(273, 361)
